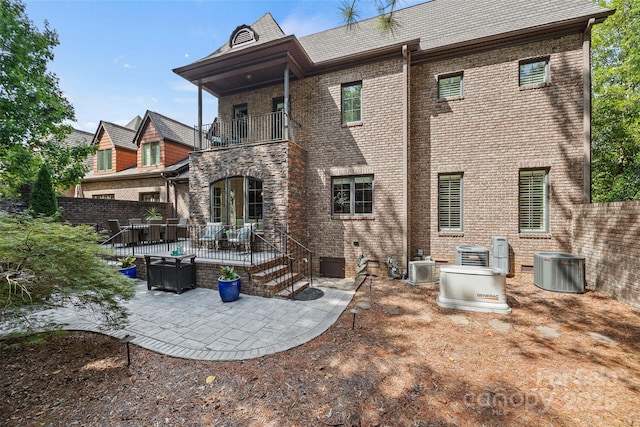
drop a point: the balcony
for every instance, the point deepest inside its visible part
(271, 127)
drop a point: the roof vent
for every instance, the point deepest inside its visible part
(241, 35)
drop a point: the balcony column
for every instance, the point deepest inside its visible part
(285, 122)
(199, 116)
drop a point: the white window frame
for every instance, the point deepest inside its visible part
(533, 201)
(105, 156)
(533, 72)
(450, 203)
(451, 86)
(150, 157)
(350, 200)
(351, 103)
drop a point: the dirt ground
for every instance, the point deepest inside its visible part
(556, 360)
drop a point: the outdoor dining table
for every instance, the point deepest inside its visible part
(145, 232)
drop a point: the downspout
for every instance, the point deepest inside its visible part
(199, 116)
(285, 134)
(167, 186)
(406, 63)
(586, 119)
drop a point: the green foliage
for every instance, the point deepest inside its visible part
(46, 264)
(43, 197)
(386, 22)
(33, 109)
(127, 262)
(152, 213)
(228, 273)
(616, 104)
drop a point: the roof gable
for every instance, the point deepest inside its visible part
(120, 136)
(264, 30)
(167, 128)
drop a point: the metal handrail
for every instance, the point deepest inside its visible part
(194, 240)
(270, 127)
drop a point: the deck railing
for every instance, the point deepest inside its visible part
(221, 245)
(271, 127)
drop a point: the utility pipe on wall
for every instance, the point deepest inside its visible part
(406, 64)
(586, 119)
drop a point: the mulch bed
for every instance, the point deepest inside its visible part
(406, 362)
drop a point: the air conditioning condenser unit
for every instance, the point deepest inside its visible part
(421, 272)
(559, 272)
(472, 255)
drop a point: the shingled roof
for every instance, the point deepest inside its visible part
(441, 23)
(167, 128)
(120, 136)
(431, 30)
(77, 137)
(267, 28)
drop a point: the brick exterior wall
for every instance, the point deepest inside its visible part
(275, 164)
(606, 234)
(495, 130)
(372, 147)
(489, 135)
(98, 211)
(128, 189)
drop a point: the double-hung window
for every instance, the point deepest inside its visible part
(533, 201)
(151, 153)
(450, 86)
(534, 72)
(104, 160)
(352, 195)
(351, 103)
(450, 203)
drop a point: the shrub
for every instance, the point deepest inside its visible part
(45, 264)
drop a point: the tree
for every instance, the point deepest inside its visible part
(43, 196)
(33, 109)
(616, 104)
(47, 264)
(386, 21)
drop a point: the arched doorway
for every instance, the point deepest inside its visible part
(237, 200)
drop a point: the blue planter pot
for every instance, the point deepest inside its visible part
(229, 289)
(131, 272)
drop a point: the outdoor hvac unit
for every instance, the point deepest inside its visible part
(472, 255)
(558, 272)
(500, 253)
(422, 272)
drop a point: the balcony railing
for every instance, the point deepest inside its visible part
(271, 127)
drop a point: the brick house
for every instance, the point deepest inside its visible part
(470, 120)
(146, 160)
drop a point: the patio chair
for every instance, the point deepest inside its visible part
(125, 236)
(242, 237)
(157, 231)
(212, 234)
(182, 228)
(172, 230)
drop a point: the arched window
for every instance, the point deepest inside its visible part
(237, 200)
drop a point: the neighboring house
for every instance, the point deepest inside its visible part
(75, 138)
(146, 160)
(470, 120)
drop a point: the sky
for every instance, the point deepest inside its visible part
(115, 58)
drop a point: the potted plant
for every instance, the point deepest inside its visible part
(153, 214)
(127, 267)
(228, 284)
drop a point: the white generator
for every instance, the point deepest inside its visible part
(473, 288)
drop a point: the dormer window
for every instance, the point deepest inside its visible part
(241, 35)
